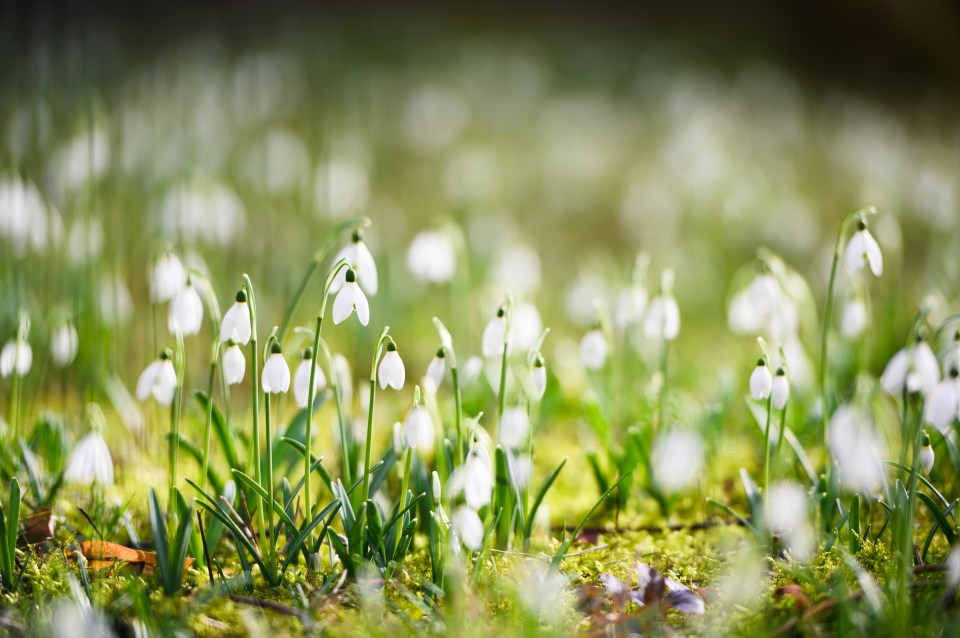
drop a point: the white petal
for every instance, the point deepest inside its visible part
(234, 365)
(872, 251)
(760, 382)
(780, 391)
(391, 371)
(493, 337)
(147, 379)
(436, 369)
(942, 405)
(363, 308)
(301, 383)
(539, 381)
(854, 257)
(514, 427)
(895, 374)
(366, 268)
(418, 428)
(7, 358)
(343, 304)
(671, 321)
(926, 366)
(468, 526)
(593, 350)
(236, 324)
(165, 383)
(275, 377)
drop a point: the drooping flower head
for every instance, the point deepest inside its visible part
(474, 478)
(432, 257)
(780, 389)
(437, 367)
(158, 380)
(927, 456)
(167, 278)
(64, 343)
(418, 428)
(186, 311)
(863, 250)
(351, 298)
(391, 371)
(233, 363)
(236, 321)
(16, 358)
(494, 334)
(538, 377)
(275, 378)
(914, 367)
(942, 406)
(514, 427)
(467, 528)
(761, 382)
(663, 315)
(857, 449)
(357, 254)
(593, 349)
(90, 462)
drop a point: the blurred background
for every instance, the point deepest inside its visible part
(551, 143)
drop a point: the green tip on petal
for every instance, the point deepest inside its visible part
(351, 275)
(275, 348)
(391, 346)
(241, 296)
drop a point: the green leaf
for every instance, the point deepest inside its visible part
(853, 524)
(331, 511)
(565, 545)
(538, 499)
(223, 432)
(158, 527)
(262, 493)
(948, 531)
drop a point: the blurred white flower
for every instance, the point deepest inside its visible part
(520, 468)
(514, 427)
(593, 349)
(23, 216)
(764, 307)
(538, 378)
(349, 298)
(953, 567)
(85, 157)
(90, 462)
(854, 318)
(493, 335)
(202, 211)
(863, 249)
(391, 371)
(158, 379)
(780, 390)
(472, 371)
(914, 366)
(185, 315)
(233, 363)
(942, 406)
(432, 257)
(760, 381)
(275, 377)
(857, 449)
(543, 590)
(398, 442)
(437, 368)
(360, 259)
(951, 358)
(474, 478)
(525, 326)
(435, 486)
(301, 379)
(64, 343)
(468, 527)
(16, 357)
(663, 316)
(236, 321)
(787, 517)
(631, 304)
(418, 428)
(926, 455)
(677, 460)
(84, 241)
(167, 278)
(341, 368)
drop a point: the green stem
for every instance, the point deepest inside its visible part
(255, 388)
(458, 412)
(766, 449)
(783, 426)
(308, 432)
(407, 464)
(663, 385)
(270, 482)
(209, 420)
(367, 443)
(174, 447)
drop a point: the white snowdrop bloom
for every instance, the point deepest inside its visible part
(85, 157)
(756, 308)
(432, 257)
(418, 428)
(761, 382)
(64, 343)
(926, 455)
(914, 366)
(951, 358)
(275, 377)
(663, 316)
(942, 406)
(233, 363)
(677, 460)
(391, 371)
(468, 527)
(397, 438)
(186, 312)
(301, 379)
(525, 326)
(16, 357)
(593, 349)
(780, 390)
(520, 467)
(863, 250)
(786, 508)
(474, 478)
(435, 486)
(437, 368)
(538, 378)
(23, 215)
(514, 427)
(631, 304)
(158, 380)
(857, 449)
(359, 257)
(351, 298)
(90, 462)
(167, 278)
(853, 321)
(202, 210)
(236, 321)
(493, 335)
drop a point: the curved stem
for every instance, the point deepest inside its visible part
(507, 319)
(766, 448)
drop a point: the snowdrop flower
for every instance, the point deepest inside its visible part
(593, 349)
(275, 378)
(862, 250)
(514, 427)
(677, 460)
(418, 428)
(926, 455)
(186, 311)
(787, 518)
(358, 256)
(763, 307)
(16, 357)
(391, 371)
(493, 334)
(158, 379)
(857, 450)
(301, 379)
(538, 378)
(854, 318)
(437, 367)
(942, 407)
(780, 390)
(351, 298)
(663, 316)
(468, 527)
(474, 478)
(761, 382)
(233, 364)
(236, 321)
(915, 367)
(167, 278)
(432, 257)
(631, 303)
(90, 462)
(64, 343)
(525, 326)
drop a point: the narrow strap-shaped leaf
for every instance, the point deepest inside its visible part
(538, 499)
(331, 511)
(948, 531)
(922, 479)
(262, 493)
(221, 428)
(158, 527)
(558, 556)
